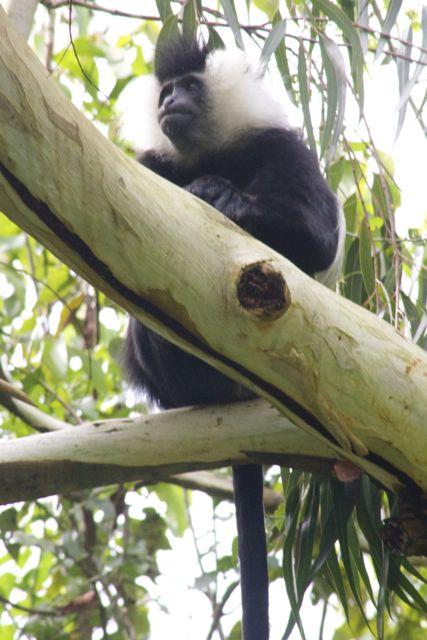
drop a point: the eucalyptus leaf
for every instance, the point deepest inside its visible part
(305, 97)
(366, 259)
(335, 571)
(292, 514)
(389, 22)
(189, 20)
(382, 596)
(344, 23)
(164, 9)
(403, 65)
(281, 56)
(231, 17)
(336, 95)
(215, 41)
(363, 20)
(275, 37)
(405, 91)
(169, 31)
(340, 503)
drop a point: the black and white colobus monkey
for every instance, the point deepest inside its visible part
(218, 133)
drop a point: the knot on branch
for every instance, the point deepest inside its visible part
(262, 290)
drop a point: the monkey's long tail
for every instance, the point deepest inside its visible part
(248, 495)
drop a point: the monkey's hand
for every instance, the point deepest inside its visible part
(222, 195)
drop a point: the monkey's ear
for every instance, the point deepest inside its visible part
(177, 55)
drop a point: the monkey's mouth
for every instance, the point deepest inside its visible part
(176, 116)
(174, 123)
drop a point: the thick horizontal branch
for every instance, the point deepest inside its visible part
(176, 264)
(154, 447)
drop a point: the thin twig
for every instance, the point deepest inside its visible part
(322, 621)
(68, 408)
(388, 36)
(96, 7)
(264, 27)
(220, 608)
(37, 612)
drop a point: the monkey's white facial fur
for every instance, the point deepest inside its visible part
(238, 100)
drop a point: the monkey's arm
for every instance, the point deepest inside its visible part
(297, 218)
(161, 165)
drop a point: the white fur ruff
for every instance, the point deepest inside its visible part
(239, 99)
(330, 276)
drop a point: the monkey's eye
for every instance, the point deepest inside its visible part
(192, 84)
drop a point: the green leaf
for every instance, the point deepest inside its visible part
(403, 65)
(366, 259)
(215, 41)
(351, 212)
(336, 86)
(8, 520)
(292, 510)
(368, 508)
(335, 571)
(358, 557)
(282, 63)
(233, 22)
(275, 37)
(189, 20)
(356, 58)
(269, 7)
(305, 97)
(11, 243)
(405, 91)
(164, 9)
(411, 569)
(86, 47)
(83, 20)
(168, 32)
(139, 66)
(340, 501)
(381, 197)
(308, 528)
(406, 586)
(119, 86)
(389, 22)
(413, 314)
(55, 359)
(354, 288)
(335, 173)
(382, 595)
(363, 20)
(174, 498)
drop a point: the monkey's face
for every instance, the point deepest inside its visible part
(182, 112)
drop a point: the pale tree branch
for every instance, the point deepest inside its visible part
(21, 14)
(153, 448)
(18, 403)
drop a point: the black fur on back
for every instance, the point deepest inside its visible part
(179, 56)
